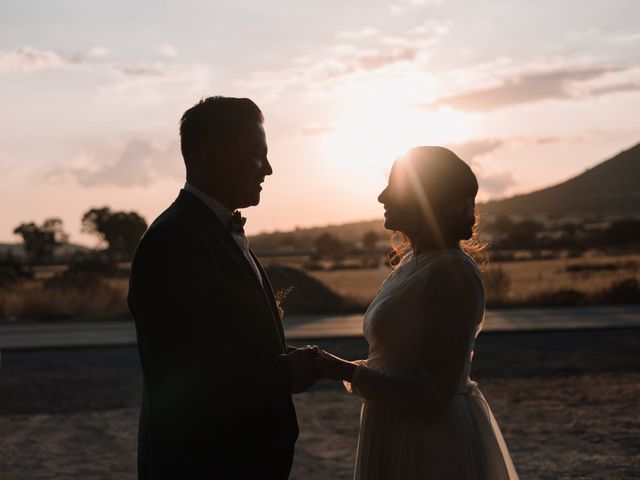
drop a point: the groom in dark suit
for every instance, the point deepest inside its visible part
(218, 374)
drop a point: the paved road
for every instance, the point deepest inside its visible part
(78, 333)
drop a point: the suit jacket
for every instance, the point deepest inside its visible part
(216, 399)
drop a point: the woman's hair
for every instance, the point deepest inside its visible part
(436, 179)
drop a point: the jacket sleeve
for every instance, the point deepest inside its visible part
(452, 302)
(183, 346)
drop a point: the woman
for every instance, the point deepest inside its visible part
(422, 416)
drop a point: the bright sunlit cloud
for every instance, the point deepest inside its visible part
(372, 138)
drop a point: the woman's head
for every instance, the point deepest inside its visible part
(431, 192)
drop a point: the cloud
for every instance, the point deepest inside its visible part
(468, 151)
(401, 7)
(627, 37)
(375, 59)
(99, 51)
(366, 53)
(534, 87)
(611, 81)
(316, 129)
(495, 184)
(141, 163)
(137, 69)
(147, 80)
(350, 59)
(126, 78)
(422, 3)
(29, 59)
(358, 34)
(327, 72)
(492, 182)
(168, 50)
(493, 179)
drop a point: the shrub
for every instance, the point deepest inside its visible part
(497, 285)
(622, 292)
(558, 298)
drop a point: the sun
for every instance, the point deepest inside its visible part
(372, 137)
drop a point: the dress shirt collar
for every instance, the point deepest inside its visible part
(222, 212)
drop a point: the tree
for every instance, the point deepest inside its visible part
(40, 241)
(328, 245)
(523, 234)
(502, 225)
(623, 232)
(369, 243)
(370, 240)
(120, 230)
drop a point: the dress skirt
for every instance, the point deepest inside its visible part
(462, 442)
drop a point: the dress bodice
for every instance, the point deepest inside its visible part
(405, 324)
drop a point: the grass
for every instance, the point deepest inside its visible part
(34, 300)
(359, 285)
(586, 280)
(533, 277)
(527, 282)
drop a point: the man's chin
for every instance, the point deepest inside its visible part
(251, 201)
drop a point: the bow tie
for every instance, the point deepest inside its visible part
(237, 223)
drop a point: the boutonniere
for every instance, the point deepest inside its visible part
(280, 296)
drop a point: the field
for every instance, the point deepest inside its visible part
(526, 279)
(589, 275)
(569, 281)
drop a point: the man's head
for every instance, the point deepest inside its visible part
(225, 149)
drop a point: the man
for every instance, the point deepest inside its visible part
(218, 375)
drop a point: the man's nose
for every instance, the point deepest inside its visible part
(266, 167)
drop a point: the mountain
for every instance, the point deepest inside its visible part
(611, 187)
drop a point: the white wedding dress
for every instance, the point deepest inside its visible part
(422, 417)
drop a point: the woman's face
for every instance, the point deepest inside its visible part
(400, 211)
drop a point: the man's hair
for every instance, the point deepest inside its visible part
(213, 120)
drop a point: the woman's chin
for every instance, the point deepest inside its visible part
(389, 224)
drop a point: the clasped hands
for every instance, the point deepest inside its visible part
(310, 364)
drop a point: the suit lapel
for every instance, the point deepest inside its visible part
(219, 231)
(211, 222)
(268, 291)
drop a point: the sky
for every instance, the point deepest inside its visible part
(529, 93)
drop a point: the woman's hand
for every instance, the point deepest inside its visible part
(334, 367)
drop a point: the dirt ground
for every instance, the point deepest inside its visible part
(567, 403)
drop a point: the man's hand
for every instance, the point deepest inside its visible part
(334, 367)
(304, 372)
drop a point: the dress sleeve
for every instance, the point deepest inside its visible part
(453, 300)
(348, 386)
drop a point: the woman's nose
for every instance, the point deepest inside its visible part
(383, 195)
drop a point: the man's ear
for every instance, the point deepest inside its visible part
(209, 154)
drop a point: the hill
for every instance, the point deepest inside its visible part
(611, 187)
(16, 250)
(303, 238)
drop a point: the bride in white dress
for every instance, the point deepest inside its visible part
(422, 416)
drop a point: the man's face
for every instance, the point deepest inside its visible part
(246, 167)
